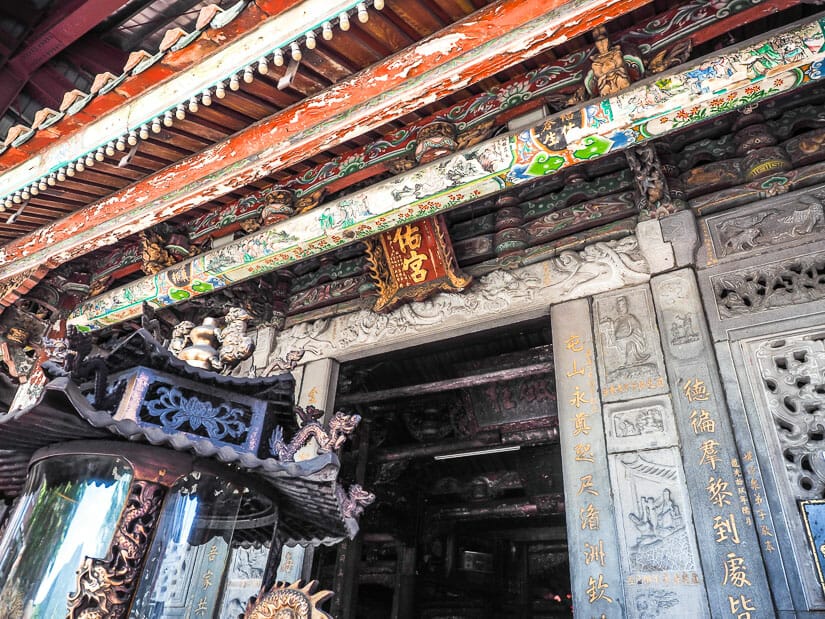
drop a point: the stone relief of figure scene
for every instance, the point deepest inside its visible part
(627, 353)
(682, 331)
(661, 542)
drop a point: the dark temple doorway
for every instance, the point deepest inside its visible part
(459, 442)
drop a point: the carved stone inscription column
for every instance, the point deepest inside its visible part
(594, 560)
(731, 558)
(659, 556)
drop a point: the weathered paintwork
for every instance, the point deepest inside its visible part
(731, 80)
(488, 41)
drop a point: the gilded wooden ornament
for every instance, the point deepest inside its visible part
(105, 586)
(289, 602)
(412, 262)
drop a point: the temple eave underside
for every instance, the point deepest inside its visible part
(562, 262)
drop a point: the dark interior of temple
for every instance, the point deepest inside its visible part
(460, 444)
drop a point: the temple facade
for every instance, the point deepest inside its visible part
(416, 308)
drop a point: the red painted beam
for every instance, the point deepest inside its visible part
(66, 26)
(47, 85)
(96, 56)
(485, 43)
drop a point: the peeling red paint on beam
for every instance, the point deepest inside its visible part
(479, 46)
(649, 109)
(172, 64)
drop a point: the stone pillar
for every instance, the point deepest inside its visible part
(659, 556)
(731, 559)
(318, 383)
(593, 546)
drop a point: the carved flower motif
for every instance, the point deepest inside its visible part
(175, 410)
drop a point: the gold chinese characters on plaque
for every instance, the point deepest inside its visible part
(412, 261)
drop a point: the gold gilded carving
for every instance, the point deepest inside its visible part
(291, 601)
(412, 262)
(105, 586)
(608, 65)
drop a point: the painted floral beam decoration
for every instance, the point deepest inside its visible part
(729, 80)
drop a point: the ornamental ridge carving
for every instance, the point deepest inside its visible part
(792, 373)
(572, 274)
(105, 586)
(762, 288)
(174, 410)
(289, 601)
(329, 438)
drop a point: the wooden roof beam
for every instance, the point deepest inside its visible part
(69, 24)
(486, 42)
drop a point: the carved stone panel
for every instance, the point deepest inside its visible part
(793, 388)
(589, 506)
(754, 291)
(243, 580)
(641, 424)
(659, 554)
(493, 299)
(786, 378)
(786, 221)
(630, 360)
(725, 528)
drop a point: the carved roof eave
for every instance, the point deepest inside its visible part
(392, 203)
(273, 27)
(62, 413)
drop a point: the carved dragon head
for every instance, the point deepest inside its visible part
(340, 427)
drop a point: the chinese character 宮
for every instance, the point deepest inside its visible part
(414, 264)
